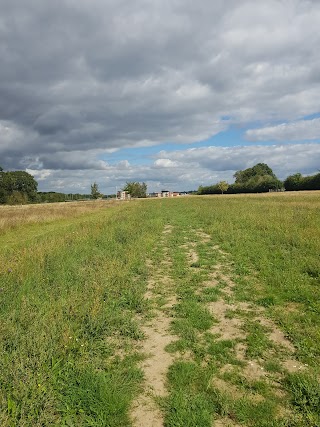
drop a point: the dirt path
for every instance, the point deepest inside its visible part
(146, 411)
(214, 271)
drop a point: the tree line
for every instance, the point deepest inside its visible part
(260, 179)
(19, 187)
(53, 197)
(298, 182)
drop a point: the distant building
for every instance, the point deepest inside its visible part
(123, 195)
(165, 193)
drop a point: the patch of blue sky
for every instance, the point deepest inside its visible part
(259, 124)
(312, 116)
(143, 155)
(231, 137)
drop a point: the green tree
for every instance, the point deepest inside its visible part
(95, 194)
(260, 169)
(24, 183)
(17, 182)
(136, 189)
(298, 182)
(293, 182)
(258, 179)
(3, 191)
(223, 186)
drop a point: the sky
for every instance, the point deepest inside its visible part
(175, 93)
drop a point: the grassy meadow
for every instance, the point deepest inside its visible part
(15, 216)
(242, 273)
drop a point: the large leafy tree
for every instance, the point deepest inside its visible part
(17, 187)
(260, 169)
(258, 179)
(136, 189)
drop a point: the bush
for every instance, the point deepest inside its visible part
(17, 198)
(297, 182)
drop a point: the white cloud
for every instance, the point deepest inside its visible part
(39, 175)
(165, 163)
(187, 169)
(284, 159)
(294, 131)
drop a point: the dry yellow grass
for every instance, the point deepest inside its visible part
(14, 216)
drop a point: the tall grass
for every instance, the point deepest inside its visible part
(12, 217)
(69, 299)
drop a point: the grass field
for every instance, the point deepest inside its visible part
(197, 311)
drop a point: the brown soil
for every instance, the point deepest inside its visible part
(292, 365)
(225, 422)
(145, 411)
(157, 337)
(227, 329)
(167, 229)
(192, 256)
(205, 238)
(275, 334)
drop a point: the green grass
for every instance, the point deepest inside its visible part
(305, 395)
(72, 305)
(256, 340)
(272, 242)
(68, 303)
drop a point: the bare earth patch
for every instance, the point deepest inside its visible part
(225, 422)
(230, 327)
(275, 334)
(145, 411)
(230, 318)
(193, 256)
(227, 329)
(292, 365)
(167, 229)
(205, 238)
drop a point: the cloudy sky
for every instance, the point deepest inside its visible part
(176, 93)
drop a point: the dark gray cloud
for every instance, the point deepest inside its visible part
(79, 78)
